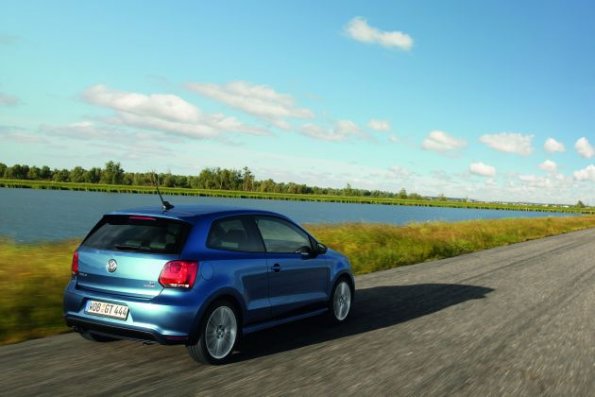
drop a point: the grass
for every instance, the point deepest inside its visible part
(33, 276)
(373, 247)
(96, 187)
(32, 281)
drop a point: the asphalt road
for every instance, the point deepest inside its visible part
(512, 321)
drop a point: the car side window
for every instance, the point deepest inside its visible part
(233, 234)
(281, 236)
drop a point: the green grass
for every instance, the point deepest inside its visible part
(32, 281)
(33, 276)
(96, 187)
(372, 247)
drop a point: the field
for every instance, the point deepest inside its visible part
(33, 276)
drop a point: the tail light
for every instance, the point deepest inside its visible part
(178, 274)
(75, 263)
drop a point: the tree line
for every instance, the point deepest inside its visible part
(209, 178)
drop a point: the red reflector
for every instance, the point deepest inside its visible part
(141, 218)
(178, 274)
(75, 263)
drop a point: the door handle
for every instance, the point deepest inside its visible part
(276, 267)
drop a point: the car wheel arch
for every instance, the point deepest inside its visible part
(223, 296)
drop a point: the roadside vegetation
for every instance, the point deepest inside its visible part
(32, 281)
(220, 182)
(374, 247)
(33, 276)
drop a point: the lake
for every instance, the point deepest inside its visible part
(28, 215)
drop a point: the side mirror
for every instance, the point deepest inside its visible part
(321, 248)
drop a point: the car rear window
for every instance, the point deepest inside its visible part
(138, 233)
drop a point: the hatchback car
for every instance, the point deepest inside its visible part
(201, 276)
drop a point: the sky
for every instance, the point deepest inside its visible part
(486, 100)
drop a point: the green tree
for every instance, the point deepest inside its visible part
(62, 175)
(247, 179)
(112, 173)
(3, 168)
(45, 173)
(77, 174)
(403, 193)
(93, 175)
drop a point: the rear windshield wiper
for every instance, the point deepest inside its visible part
(131, 247)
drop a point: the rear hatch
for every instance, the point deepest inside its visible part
(124, 254)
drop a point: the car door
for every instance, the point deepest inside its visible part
(297, 282)
(242, 259)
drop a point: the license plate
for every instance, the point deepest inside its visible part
(107, 309)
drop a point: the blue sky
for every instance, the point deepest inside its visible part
(490, 100)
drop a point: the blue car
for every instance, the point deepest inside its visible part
(201, 276)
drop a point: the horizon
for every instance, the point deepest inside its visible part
(492, 102)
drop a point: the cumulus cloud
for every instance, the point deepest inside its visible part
(358, 29)
(482, 169)
(341, 131)
(549, 166)
(551, 145)
(584, 148)
(257, 100)
(379, 125)
(586, 174)
(8, 100)
(164, 112)
(163, 106)
(440, 141)
(509, 142)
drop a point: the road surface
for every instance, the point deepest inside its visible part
(511, 321)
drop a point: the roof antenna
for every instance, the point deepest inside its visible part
(165, 205)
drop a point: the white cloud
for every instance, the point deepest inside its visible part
(20, 135)
(549, 166)
(343, 130)
(586, 174)
(584, 148)
(358, 29)
(509, 142)
(162, 106)
(440, 141)
(163, 112)
(533, 181)
(8, 100)
(257, 100)
(482, 169)
(393, 138)
(379, 125)
(551, 145)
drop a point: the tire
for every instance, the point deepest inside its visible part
(96, 338)
(340, 302)
(219, 334)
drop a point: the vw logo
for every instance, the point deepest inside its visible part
(112, 265)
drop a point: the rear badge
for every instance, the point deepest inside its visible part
(112, 265)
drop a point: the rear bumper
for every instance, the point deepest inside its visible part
(79, 324)
(162, 319)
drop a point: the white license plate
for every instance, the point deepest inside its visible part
(107, 309)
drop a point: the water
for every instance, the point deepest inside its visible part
(28, 215)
